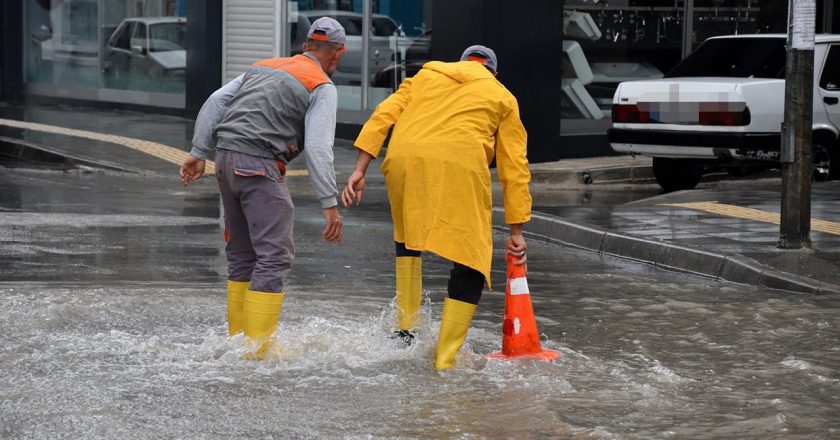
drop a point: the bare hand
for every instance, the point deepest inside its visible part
(516, 247)
(353, 190)
(332, 232)
(191, 170)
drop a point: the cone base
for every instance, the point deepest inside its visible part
(543, 355)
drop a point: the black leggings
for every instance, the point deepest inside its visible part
(465, 283)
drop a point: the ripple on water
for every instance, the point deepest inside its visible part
(109, 351)
(151, 362)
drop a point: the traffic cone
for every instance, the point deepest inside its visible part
(520, 337)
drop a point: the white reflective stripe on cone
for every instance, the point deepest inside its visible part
(519, 286)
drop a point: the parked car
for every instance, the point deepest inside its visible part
(723, 106)
(349, 71)
(151, 46)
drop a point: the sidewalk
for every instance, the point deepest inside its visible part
(724, 233)
(727, 233)
(104, 125)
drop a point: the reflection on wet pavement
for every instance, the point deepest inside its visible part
(80, 225)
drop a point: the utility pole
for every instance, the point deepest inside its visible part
(797, 166)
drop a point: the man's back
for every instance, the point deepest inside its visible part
(266, 116)
(452, 105)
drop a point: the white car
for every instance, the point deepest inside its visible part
(723, 106)
(154, 46)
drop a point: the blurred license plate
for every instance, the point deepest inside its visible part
(672, 112)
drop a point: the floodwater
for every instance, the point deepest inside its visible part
(644, 353)
(649, 360)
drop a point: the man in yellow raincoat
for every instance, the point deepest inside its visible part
(449, 122)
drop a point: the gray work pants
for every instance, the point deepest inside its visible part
(258, 215)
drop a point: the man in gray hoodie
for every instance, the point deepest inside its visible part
(278, 109)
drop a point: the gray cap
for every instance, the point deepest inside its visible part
(483, 55)
(327, 29)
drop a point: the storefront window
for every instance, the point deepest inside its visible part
(347, 76)
(611, 42)
(144, 46)
(400, 43)
(130, 45)
(726, 17)
(61, 42)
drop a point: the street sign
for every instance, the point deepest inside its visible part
(803, 26)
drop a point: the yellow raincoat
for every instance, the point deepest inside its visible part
(450, 120)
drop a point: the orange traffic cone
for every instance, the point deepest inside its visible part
(520, 338)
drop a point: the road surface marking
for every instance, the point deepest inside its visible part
(754, 214)
(164, 152)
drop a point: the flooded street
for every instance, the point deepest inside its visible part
(113, 324)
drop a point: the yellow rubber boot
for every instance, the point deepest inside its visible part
(261, 312)
(454, 324)
(409, 291)
(235, 299)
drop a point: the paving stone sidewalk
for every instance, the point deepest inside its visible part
(705, 220)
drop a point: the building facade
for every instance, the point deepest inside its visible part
(562, 59)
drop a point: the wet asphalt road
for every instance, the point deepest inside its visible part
(112, 294)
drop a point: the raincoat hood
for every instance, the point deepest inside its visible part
(461, 71)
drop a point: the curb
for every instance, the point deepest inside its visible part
(23, 150)
(614, 174)
(665, 255)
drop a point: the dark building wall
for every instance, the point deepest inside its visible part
(204, 54)
(835, 18)
(527, 39)
(11, 46)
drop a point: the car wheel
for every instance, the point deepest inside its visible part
(676, 174)
(826, 162)
(822, 162)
